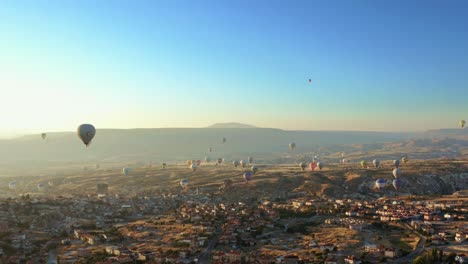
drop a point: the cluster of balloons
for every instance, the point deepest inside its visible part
(397, 182)
(462, 123)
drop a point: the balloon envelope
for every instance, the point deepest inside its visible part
(184, 183)
(376, 163)
(397, 183)
(320, 165)
(86, 133)
(248, 176)
(254, 169)
(363, 163)
(43, 135)
(380, 183)
(462, 123)
(292, 145)
(126, 171)
(396, 172)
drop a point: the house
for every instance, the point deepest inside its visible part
(352, 260)
(328, 246)
(391, 253)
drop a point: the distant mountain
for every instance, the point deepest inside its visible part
(231, 125)
(171, 144)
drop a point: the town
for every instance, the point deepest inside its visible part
(205, 226)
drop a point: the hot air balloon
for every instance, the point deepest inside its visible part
(462, 123)
(397, 183)
(193, 167)
(292, 146)
(250, 159)
(41, 187)
(254, 169)
(363, 163)
(405, 159)
(376, 163)
(235, 163)
(86, 133)
(303, 166)
(396, 163)
(198, 163)
(396, 172)
(312, 165)
(320, 165)
(224, 140)
(220, 160)
(43, 135)
(247, 176)
(164, 165)
(12, 185)
(126, 171)
(184, 183)
(210, 149)
(380, 183)
(207, 159)
(242, 163)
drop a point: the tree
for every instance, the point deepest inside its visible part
(419, 260)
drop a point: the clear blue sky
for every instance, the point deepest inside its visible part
(375, 65)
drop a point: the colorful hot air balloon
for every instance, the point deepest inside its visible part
(462, 123)
(43, 135)
(380, 183)
(396, 172)
(41, 187)
(235, 163)
(292, 146)
(320, 165)
(250, 159)
(397, 183)
(254, 169)
(303, 166)
(363, 163)
(247, 176)
(242, 163)
(184, 183)
(86, 133)
(313, 165)
(396, 163)
(405, 159)
(220, 160)
(376, 163)
(126, 171)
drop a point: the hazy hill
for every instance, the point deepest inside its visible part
(231, 125)
(179, 143)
